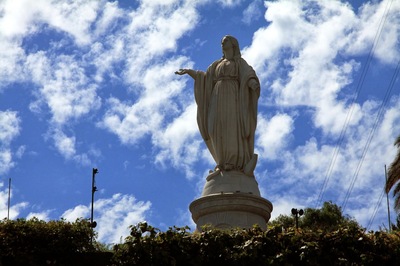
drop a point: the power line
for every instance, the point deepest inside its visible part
(376, 209)
(350, 112)
(377, 119)
(378, 204)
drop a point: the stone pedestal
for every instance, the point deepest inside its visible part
(230, 199)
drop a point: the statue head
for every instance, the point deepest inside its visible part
(235, 44)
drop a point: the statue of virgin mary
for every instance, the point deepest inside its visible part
(227, 97)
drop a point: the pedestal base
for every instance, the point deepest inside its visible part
(229, 200)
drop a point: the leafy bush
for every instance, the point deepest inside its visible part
(328, 218)
(349, 245)
(34, 242)
(31, 242)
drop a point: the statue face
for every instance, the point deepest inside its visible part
(226, 44)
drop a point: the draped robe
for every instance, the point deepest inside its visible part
(227, 113)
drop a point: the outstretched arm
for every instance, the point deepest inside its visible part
(184, 71)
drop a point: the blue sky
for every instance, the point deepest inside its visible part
(88, 84)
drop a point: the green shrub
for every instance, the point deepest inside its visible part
(33, 242)
(349, 245)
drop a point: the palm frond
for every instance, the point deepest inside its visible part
(394, 169)
(396, 190)
(397, 142)
(397, 203)
(393, 173)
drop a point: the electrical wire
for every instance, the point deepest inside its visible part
(350, 112)
(378, 204)
(371, 133)
(375, 210)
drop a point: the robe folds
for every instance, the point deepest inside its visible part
(227, 113)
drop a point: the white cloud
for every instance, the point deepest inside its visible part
(287, 30)
(229, 3)
(24, 17)
(118, 214)
(252, 12)
(154, 31)
(130, 123)
(64, 87)
(67, 147)
(43, 216)
(180, 142)
(305, 61)
(9, 129)
(20, 151)
(79, 211)
(284, 205)
(66, 92)
(65, 144)
(313, 75)
(113, 216)
(373, 23)
(6, 162)
(159, 91)
(107, 17)
(314, 36)
(331, 116)
(162, 98)
(273, 135)
(9, 126)
(307, 167)
(11, 56)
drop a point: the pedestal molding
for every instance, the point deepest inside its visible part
(229, 210)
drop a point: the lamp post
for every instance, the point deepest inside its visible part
(297, 214)
(93, 224)
(387, 201)
(9, 199)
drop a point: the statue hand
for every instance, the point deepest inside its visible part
(181, 72)
(184, 71)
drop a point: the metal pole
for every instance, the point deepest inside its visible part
(297, 214)
(94, 189)
(93, 224)
(9, 198)
(387, 200)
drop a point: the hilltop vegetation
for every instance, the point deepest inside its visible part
(325, 237)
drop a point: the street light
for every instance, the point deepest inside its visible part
(297, 214)
(9, 199)
(93, 224)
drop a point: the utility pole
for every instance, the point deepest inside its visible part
(9, 199)
(93, 224)
(297, 214)
(387, 201)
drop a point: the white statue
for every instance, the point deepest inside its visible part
(226, 96)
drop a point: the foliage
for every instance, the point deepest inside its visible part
(35, 240)
(284, 221)
(394, 177)
(348, 245)
(396, 227)
(329, 218)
